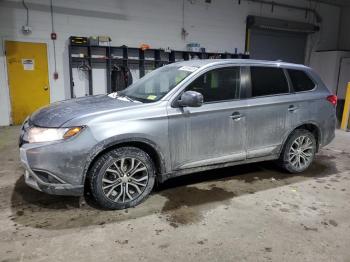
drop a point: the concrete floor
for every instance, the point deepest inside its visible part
(247, 213)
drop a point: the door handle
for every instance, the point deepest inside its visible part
(46, 88)
(236, 116)
(292, 108)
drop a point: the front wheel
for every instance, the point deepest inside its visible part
(122, 178)
(299, 151)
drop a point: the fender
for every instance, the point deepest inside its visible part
(121, 139)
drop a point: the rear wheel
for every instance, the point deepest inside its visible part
(299, 151)
(122, 178)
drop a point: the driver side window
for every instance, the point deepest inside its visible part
(218, 84)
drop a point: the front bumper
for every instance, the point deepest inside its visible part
(56, 167)
(58, 187)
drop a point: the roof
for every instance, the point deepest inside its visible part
(208, 62)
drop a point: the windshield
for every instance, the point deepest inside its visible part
(157, 84)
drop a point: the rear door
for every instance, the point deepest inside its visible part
(215, 132)
(269, 105)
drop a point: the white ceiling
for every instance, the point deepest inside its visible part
(336, 2)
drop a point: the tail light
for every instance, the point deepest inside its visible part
(332, 99)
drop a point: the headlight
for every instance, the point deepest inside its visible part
(40, 134)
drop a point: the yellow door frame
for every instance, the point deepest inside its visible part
(4, 74)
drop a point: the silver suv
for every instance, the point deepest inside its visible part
(181, 118)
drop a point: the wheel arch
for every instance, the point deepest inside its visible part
(144, 144)
(313, 127)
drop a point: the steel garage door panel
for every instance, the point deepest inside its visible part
(275, 45)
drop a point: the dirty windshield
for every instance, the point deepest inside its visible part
(157, 84)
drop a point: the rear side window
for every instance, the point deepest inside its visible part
(218, 85)
(268, 81)
(300, 80)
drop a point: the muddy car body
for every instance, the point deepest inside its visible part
(160, 127)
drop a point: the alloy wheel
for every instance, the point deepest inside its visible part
(125, 180)
(301, 152)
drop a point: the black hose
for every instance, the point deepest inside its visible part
(27, 10)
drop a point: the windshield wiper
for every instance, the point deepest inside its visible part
(130, 99)
(116, 95)
(124, 96)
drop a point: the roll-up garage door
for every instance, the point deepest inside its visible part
(277, 45)
(276, 39)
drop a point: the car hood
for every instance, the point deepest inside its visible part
(58, 113)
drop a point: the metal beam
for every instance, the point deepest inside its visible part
(288, 6)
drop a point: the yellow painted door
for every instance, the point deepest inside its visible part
(28, 78)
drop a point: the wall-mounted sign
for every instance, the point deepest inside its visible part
(28, 64)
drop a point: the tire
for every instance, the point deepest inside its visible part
(122, 178)
(298, 152)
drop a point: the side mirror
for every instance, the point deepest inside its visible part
(190, 99)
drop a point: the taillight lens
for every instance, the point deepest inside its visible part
(332, 99)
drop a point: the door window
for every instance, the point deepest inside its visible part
(268, 81)
(300, 80)
(218, 84)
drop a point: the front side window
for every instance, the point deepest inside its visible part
(300, 80)
(218, 85)
(268, 81)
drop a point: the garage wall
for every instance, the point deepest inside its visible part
(219, 26)
(344, 32)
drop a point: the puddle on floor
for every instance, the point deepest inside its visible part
(182, 205)
(180, 201)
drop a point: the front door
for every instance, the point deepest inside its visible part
(27, 69)
(215, 132)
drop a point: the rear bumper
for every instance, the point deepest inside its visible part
(328, 131)
(60, 187)
(329, 140)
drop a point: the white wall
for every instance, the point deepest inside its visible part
(327, 65)
(219, 26)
